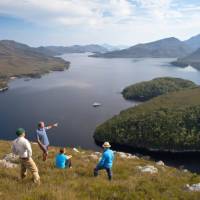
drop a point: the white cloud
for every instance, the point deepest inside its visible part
(66, 12)
(118, 21)
(94, 12)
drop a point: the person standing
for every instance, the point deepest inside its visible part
(22, 147)
(42, 138)
(106, 161)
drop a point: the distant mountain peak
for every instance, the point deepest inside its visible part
(164, 48)
(193, 42)
(169, 39)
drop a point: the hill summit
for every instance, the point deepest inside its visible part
(168, 48)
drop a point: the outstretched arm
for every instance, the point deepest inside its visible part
(52, 126)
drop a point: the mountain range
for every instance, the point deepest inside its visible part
(167, 47)
(193, 42)
(192, 59)
(114, 47)
(58, 50)
(18, 59)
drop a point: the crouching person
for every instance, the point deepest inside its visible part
(106, 161)
(62, 160)
(22, 147)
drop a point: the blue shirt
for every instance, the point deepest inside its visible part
(42, 136)
(61, 160)
(107, 158)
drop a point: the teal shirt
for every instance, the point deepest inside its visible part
(107, 158)
(61, 161)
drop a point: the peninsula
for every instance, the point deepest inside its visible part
(169, 122)
(20, 60)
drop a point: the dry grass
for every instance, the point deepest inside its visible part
(79, 183)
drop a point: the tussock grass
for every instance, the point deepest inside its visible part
(79, 183)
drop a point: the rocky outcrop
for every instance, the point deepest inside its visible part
(148, 169)
(160, 163)
(193, 187)
(9, 161)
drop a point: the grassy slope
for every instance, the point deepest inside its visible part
(19, 66)
(78, 183)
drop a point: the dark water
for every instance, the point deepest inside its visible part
(67, 98)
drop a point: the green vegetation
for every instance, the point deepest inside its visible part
(21, 60)
(78, 183)
(148, 89)
(168, 122)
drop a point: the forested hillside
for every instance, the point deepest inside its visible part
(168, 122)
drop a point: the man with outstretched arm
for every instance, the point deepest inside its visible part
(106, 161)
(42, 138)
(22, 147)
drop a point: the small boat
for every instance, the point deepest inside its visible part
(96, 104)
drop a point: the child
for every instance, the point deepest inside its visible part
(63, 161)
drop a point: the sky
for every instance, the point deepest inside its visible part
(116, 22)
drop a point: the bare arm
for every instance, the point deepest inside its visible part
(69, 156)
(52, 126)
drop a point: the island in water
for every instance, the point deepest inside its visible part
(147, 90)
(20, 60)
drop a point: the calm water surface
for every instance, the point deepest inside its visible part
(67, 98)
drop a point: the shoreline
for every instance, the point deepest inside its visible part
(3, 89)
(5, 82)
(180, 160)
(130, 149)
(185, 64)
